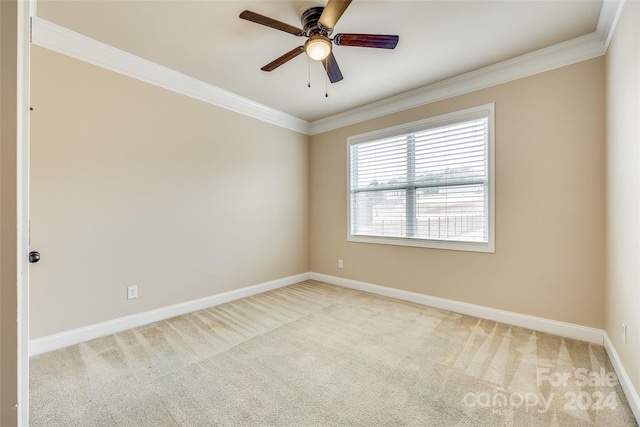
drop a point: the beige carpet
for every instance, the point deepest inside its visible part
(312, 354)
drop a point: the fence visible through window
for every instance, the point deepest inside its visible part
(430, 184)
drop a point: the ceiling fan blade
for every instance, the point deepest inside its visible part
(333, 71)
(284, 58)
(270, 22)
(332, 12)
(379, 41)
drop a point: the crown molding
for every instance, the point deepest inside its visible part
(67, 42)
(609, 15)
(62, 40)
(570, 52)
(562, 54)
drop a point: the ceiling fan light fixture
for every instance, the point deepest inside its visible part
(318, 47)
(318, 23)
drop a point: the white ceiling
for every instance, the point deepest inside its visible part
(438, 40)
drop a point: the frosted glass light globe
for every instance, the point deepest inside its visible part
(318, 47)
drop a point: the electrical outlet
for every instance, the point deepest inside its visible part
(340, 263)
(132, 292)
(624, 334)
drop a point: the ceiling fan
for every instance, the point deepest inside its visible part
(318, 23)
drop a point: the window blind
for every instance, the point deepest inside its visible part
(431, 183)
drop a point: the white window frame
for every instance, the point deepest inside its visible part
(488, 111)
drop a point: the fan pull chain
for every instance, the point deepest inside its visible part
(326, 86)
(308, 72)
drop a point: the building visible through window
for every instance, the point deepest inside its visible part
(428, 183)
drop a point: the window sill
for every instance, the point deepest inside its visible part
(487, 247)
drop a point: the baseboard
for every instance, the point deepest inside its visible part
(563, 329)
(627, 386)
(76, 336)
(569, 330)
(597, 336)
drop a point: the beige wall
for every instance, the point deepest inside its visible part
(8, 216)
(111, 201)
(549, 204)
(623, 188)
(134, 185)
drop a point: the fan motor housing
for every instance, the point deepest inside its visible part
(309, 20)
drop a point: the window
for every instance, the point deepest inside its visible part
(427, 183)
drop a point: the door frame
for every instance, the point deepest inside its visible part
(25, 11)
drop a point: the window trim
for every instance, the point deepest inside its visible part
(486, 110)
